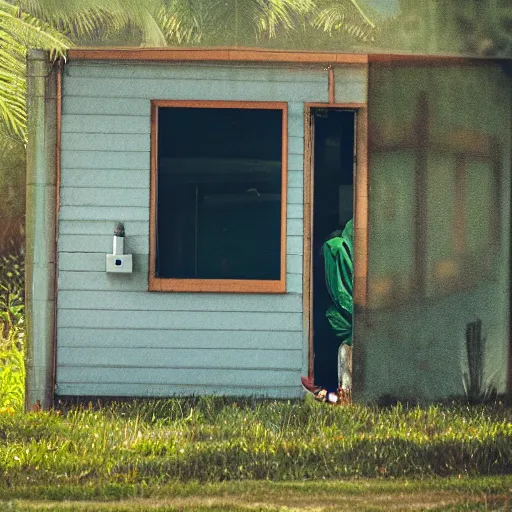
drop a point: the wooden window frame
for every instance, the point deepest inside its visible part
(162, 284)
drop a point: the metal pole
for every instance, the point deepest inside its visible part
(40, 255)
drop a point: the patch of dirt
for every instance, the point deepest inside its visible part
(321, 502)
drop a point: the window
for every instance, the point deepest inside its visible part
(218, 196)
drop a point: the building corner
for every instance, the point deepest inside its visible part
(40, 255)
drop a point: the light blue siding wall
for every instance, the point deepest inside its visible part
(351, 84)
(116, 338)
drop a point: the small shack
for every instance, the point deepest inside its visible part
(227, 168)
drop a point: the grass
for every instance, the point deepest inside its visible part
(12, 306)
(12, 365)
(439, 494)
(219, 454)
(12, 375)
(148, 443)
(199, 454)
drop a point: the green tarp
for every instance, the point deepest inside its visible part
(338, 259)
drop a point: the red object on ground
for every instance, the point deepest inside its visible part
(309, 386)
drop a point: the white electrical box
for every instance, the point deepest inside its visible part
(119, 263)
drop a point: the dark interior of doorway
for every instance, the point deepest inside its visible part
(333, 208)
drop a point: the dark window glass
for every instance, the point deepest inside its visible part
(219, 193)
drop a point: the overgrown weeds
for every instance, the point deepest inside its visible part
(12, 374)
(12, 307)
(212, 440)
(135, 444)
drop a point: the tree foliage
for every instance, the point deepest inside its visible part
(18, 31)
(86, 21)
(206, 22)
(232, 22)
(57, 25)
(333, 16)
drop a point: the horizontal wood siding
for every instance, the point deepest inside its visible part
(95, 262)
(284, 389)
(73, 337)
(99, 299)
(147, 377)
(197, 358)
(115, 337)
(350, 84)
(205, 320)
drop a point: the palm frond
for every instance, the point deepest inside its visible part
(12, 104)
(152, 32)
(195, 21)
(178, 29)
(79, 20)
(30, 31)
(280, 13)
(230, 21)
(344, 15)
(89, 24)
(89, 19)
(19, 30)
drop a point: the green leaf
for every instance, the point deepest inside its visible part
(343, 15)
(19, 30)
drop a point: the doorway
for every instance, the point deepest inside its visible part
(333, 166)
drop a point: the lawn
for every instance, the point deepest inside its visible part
(437, 494)
(198, 454)
(226, 454)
